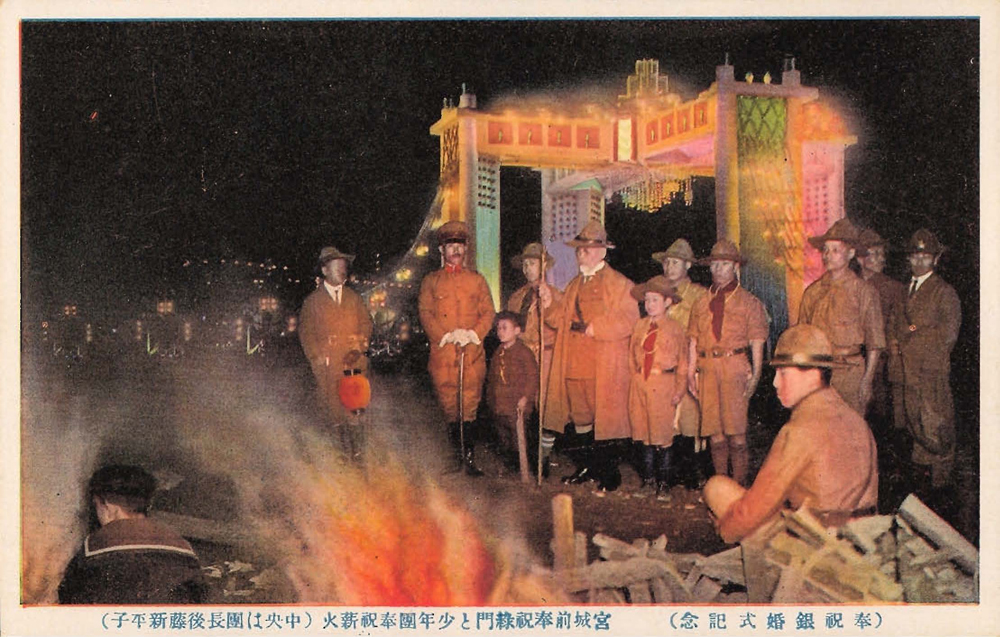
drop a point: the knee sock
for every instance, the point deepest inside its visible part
(740, 458)
(720, 456)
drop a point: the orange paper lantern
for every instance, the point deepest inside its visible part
(355, 391)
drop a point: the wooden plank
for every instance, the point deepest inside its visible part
(726, 566)
(621, 574)
(563, 542)
(931, 526)
(639, 593)
(706, 590)
(580, 549)
(661, 592)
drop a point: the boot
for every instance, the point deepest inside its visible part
(608, 476)
(647, 457)
(469, 453)
(663, 458)
(739, 457)
(454, 442)
(583, 445)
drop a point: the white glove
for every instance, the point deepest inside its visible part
(471, 337)
(450, 337)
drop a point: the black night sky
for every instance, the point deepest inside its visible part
(147, 142)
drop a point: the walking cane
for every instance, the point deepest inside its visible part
(541, 364)
(461, 410)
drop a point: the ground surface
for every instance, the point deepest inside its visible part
(165, 413)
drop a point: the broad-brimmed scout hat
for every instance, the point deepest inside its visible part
(867, 239)
(532, 251)
(804, 346)
(924, 240)
(593, 235)
(679, 249)
(453, 232)
(842, 230)
(659, 284)
(330, 253)
(723, 250)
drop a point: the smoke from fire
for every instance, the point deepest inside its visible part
(385, 535)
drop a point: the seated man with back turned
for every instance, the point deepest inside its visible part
(824, 457)
(130, 559)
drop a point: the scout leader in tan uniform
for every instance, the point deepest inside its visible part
(588, 384)
(456, 312)
(524, 302)
(824, 457)
(658, 358)
(334, 329)
(726, 324)
(848, 310)
(923, 335)
(891, 294)
(676, 261)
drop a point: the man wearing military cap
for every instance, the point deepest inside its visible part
(334, 329)
(456, 312)
(676, 261)
(871, 258)
(924, 332)
(726, 324)
(524, 302)
(823, 458)
(588, 383)
(849, 312)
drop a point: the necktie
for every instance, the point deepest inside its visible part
(913, 286)
(648, 348)
(336, 296)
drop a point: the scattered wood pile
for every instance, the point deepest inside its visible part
(913, 556)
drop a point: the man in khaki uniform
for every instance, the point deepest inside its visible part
(524, 302)
(891, 293)
(588, 383)
(848, 311)
(689, 445)
(334, 329)
(456, 312)
(923, 335)
(726, 324)
(823, 458)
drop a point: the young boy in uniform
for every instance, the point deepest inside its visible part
(658, 361)
(512, 382)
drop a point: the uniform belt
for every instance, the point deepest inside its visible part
(839, 518)
(717, 352)
(657, 370)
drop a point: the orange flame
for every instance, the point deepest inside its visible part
(374, 538)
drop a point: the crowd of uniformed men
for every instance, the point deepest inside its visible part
(671, 382)
(668, 389)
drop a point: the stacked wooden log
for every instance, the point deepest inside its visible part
(913, 556)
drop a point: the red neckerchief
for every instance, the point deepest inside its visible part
(648, 346)
(452, 269)
(717, 305)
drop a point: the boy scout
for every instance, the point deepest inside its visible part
(848, 311)
(726, 324)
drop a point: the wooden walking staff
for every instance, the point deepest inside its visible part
(461, 406)
(541, 357)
